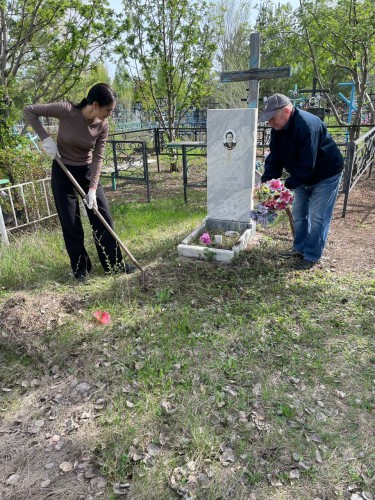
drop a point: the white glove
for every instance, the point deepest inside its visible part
(91, 198)
(50, 147)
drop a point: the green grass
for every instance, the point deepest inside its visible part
(229, 370)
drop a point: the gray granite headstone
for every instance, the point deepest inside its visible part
(231, 155)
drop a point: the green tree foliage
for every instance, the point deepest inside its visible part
(233, 49)
(171, 49)
(340, 37)
(123, 86)
(277, 25)
(47, 49)
(96, 74)
(46, 45)
(331, 40)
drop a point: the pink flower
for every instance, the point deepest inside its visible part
(205, 239)
(102, 316)
(286, 196)
(275, 184)
(273, 195)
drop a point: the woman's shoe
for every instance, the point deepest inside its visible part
(129, 268)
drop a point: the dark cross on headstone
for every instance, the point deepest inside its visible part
(314, 90)
(255, 73)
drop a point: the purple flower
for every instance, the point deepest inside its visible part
(205, 239)
(263, 215)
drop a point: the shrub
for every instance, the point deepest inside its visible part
(22, 165)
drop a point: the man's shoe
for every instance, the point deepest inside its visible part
(291, 254)
(304, 265)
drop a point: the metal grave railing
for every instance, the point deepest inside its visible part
(25, 204)
(360, 159)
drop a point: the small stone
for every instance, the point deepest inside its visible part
(45, 483)
(361, 454)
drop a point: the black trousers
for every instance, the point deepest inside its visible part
(67, 205)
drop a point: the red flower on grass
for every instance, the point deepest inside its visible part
(102, 316)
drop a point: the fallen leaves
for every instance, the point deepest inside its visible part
(13, 479)
(66, 466)
(186, 479)
(121, 488)
(227, 456)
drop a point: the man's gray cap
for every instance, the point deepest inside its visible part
(273, 103)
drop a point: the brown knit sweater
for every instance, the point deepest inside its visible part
(79, 141)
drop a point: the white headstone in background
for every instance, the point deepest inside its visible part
(231, 156)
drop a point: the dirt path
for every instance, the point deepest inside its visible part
(351, 241)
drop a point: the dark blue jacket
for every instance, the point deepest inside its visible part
(305, 149)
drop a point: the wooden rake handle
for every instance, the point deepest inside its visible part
(290, 217)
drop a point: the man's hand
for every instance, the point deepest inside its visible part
(91, 198)
(50, 147)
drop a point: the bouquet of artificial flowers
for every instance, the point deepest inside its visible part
(271, 197)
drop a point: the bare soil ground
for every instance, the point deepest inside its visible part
(351, 241)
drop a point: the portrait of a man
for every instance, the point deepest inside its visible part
(229, 139)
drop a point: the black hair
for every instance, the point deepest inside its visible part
(100, 93)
